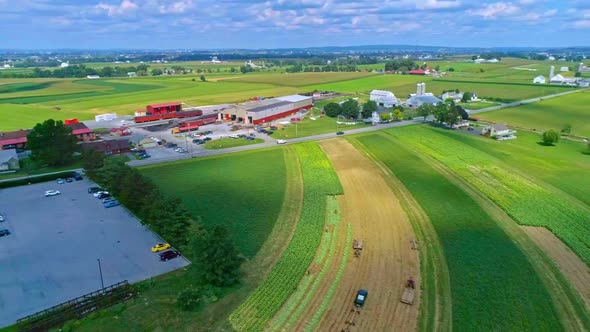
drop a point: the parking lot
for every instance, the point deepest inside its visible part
(52, 253)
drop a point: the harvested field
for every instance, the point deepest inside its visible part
(387, 259)
(568, 262)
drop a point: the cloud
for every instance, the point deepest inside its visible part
(581, 24)
(178, 7)
(491, 11)
(437, 4)
(125, 7)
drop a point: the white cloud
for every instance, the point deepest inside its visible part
(437, 4)
(527, 2)
(178, 7)
(125, 7)
(491, 11)
(582, 24)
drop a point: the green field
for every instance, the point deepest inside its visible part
(528, 200)
(224, 143)
(242, 192)
(319, 181)
(552, 113)
(493, 285)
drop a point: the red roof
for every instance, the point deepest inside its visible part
(417, 72)
(13, 141)
(79, 128)
(164, 104)
(14, 137)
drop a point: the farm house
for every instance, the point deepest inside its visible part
(264, 111)
(383, 98)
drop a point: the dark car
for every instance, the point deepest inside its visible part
(340, 133)
(77, 176)
(143, 155)
(170, 254)
(361, 296)
(274, 127)
(69, 179)
(103, 195)
(4, 232)
(207, 139)
(171, 145)
(93, 190)
(268, 132)
(208, 132)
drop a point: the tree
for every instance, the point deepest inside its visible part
(425, 110)
(550, 137)
(462, 112)
(52, 143)
(188, 299)
(369, 108)
(92, 160)
(451, 69)
(333, 110)
(397, 114)
(578, 74)
(217, 260)
(453, 116)
(466, 97)
(350, 108)
(567, 129)
(385, 116)
(157, 72)
(440, 112)
(232, 70)
(203, 79)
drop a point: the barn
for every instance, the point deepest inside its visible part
(383, 98)
(264, 111)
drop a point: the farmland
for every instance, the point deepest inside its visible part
(214, 182)
(224, 143)
(489, 290)
(547, 114)
(319, 181)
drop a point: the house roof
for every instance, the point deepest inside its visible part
(425, 99)
(6, 155)
(263, 105)
(79, 128)
(499, 126)
(106, 146)
(382, 93)
(417, 72)
(293, 98)
(14, 137)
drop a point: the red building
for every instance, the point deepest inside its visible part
(417, 72)
(108, 147)
(18, 139)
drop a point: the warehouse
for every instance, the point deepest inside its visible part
(264, 111)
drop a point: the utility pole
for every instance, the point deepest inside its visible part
(100, 271)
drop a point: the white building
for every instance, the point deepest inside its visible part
(564, 69)
(64, 64)
(92, 77)
(539, 80)
(383, 98)
(455, 96)
(500, 132)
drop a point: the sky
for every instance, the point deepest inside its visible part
(210, 24)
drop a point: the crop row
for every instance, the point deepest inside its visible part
(527, 202)
(493, 284)
(319, 180)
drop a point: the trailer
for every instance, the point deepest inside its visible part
(409, 294)
(357, 245)
(173, 110)
(195, 124)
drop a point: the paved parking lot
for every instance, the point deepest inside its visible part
(51, 255)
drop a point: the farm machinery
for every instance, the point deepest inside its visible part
(357, 245)
(409, 291)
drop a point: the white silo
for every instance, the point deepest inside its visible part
(418, 89)
(551, 72)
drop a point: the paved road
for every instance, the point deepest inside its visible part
(522, 102)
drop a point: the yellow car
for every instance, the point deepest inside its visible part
(160, 247)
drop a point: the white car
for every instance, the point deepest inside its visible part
(233, 136)
(1, 218)
(281, 141)
(96, 194)
(60, 181)
(52, 193)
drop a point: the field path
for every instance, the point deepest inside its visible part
(387, 259)
(573, 268)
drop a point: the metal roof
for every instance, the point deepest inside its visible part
(165, 104)
(293, 98)
(425, 99)
(6, 155)
(263, 107)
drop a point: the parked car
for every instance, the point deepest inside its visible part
(111, 204)
(268, 132)
(93, 190)
(77, 176)
(233, 136)
(143, 156)
(252, 135)
(4, 232)
(52, 193)
(69, 180)
(274, 127)
(160, 247)
(1, 218)
(340, 133)
(170, 254)
(60, 181)
(361, 296)
(207, 139)
(96, 194)
(208, 132)
(171, 145)
(103, 195)
(281, 141)
(108, 199)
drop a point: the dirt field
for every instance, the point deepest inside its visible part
(387, 260)
(571, 265)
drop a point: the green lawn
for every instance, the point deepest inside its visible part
(547, 114)
(224, 143)
(243, 192)
(494, 287)
(308, 127)
(477, 105)
(302, 79)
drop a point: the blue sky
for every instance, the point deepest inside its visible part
(201, 24)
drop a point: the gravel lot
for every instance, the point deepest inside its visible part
(51, 255)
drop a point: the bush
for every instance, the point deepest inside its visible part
(35, 179)
(550, 137)
(188, 299)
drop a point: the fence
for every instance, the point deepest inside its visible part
(77, 308)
